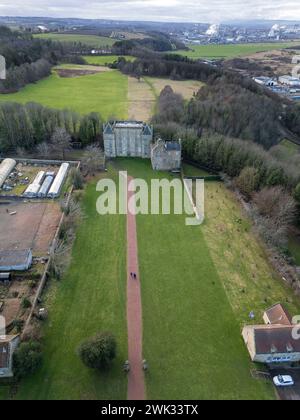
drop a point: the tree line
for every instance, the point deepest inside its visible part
(32, 126)
(20, 76)
(229, 103)
(255, 171)
(30, 59)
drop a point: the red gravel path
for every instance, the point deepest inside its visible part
(136, 383)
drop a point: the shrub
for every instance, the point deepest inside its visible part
(248, 181)
(26, 303)
(18, 325)
(77, 179)
(27, 359)
(99, 351)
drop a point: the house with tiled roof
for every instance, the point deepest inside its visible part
(274, 342)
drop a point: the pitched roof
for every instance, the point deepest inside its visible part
(173, 145)
(275, 339)
(4, 355)
(147, 131)
(277, 314)
(108, 129)
(5, 351)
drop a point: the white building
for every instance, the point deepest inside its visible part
(265, 81)
(289, 81)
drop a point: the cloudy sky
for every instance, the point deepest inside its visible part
(158, 10)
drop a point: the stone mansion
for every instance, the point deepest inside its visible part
(127, 139)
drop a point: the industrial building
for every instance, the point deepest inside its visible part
(166, 155)
(265, 81)
(6, 167)
(127, 139)
(15, 260)
(289, 81)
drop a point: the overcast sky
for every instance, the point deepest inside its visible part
(157, 10)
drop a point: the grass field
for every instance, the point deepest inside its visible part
(198, 286)
(231, 51)
(292, 148)
(294, 247)
(186, 88)
(90, 40)
(142, 100)
(105, 59)
(191, 334)
(91, 298)
(105, 93)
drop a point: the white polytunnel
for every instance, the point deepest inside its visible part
(59, 181)
(6, 167)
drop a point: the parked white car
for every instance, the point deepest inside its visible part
(282, 380)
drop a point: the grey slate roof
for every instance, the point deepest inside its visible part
(172, 145)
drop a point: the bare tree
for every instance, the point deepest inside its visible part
(276, 204)
(93, 160)
(60, 141)
(44, 150)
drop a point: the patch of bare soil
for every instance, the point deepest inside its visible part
(28, 225)
(70, 73)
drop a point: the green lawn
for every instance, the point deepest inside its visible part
(290, 147)
(294, 247)
(105, 59)
(231, 51)
(190, 170)
(90, 40)
(91, 298)
(105, 93)
(192, 337)
(198, 287)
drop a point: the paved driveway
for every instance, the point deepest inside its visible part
(289, 393)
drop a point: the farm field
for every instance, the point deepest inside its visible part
(90, 298)
(190, 329)
(105, 59)
(141, 100)
(231, 51)
(186, 88)
(90, 40)
(104, 92)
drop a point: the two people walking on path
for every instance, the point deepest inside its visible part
(126, 366)
(133, 276)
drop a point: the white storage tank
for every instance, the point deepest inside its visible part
(6, 167)
(58, 183)
(45, 187)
